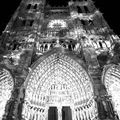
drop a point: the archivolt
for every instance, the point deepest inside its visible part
(58, 80)
(111, 76)
(55, 69)
(6, 87)
(111, 80)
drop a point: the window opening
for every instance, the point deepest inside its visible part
(28, 6)
(35, 6)
(86, 9)
(79, 9)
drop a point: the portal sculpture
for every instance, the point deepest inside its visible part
(112, 82)
(59, 81)
(6, 88)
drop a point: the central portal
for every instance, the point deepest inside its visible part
(59, 88)
(63, 113)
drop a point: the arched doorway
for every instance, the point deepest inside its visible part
(58, 83)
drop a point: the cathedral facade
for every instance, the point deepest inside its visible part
(59, 63)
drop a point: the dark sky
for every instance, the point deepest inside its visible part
(109, 8)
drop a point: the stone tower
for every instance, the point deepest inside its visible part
(59, 63)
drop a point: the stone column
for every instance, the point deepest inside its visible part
(46, 113)
(59, 112)
(73, 112)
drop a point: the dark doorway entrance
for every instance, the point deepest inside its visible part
(66, 113)
(52, 113)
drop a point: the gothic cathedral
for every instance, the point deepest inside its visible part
(59, 63)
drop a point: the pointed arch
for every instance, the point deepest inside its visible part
(6, 87)
(59, 80)
(111, 80)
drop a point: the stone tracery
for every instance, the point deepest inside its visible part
(46, 88)
(6, 87)
(112, 82)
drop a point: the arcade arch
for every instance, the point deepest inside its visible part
(58, 81)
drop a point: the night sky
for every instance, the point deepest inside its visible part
(109, 8)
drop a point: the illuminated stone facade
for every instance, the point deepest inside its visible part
(59, 63)
(112, 82)
(59, 81)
